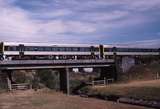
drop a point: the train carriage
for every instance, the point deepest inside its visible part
(129, 51)
(41, 51)
(49, 51)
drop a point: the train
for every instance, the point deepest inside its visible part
(50, 51)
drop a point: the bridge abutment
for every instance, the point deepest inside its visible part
(7, 76)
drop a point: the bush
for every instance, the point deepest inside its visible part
(49, 78)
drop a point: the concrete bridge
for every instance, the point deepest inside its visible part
(48, 64)
(63, 67)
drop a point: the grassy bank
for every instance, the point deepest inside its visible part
(53, 100)
(141, 72)
(148, 90)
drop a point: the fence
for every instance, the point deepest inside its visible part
(23, 86)
(102, 82)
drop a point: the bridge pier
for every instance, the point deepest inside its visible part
(81, 70)
(97, 70)
(64, 80)
(108, 72)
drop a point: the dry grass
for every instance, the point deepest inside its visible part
(53, 100)
(140, 89)
(141, 72)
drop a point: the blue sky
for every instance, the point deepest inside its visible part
(81, 21)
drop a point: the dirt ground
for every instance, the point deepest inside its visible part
(53, 100)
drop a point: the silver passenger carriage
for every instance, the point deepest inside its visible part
(49, 51)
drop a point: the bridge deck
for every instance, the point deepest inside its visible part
(40, 64)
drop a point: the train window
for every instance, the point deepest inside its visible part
(36, 49)
(68, 49)
(6, 48)
(156, 50)
(81, 49)
(130, 50)
(57, 49)
(53, 48)
(110, 49)
(78, 48)
(40, 48)
(47, 48)
(96, 49)
(75, 49)
(84, 49)
(62, 49)
(30, 48)
(120, 50)
(26, 48)
(11, 48)
(106, 49)
(88, 49)
(92, 48)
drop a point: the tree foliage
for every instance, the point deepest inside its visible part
(49, 78)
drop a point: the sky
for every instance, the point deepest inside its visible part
(135, 22)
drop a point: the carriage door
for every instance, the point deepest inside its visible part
(101, 51)
(21, 50)
(92, 52)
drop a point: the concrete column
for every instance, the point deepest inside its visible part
(68, 83)
(64, 80)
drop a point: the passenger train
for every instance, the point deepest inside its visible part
(43, 51)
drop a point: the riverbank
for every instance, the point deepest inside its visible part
(136, 92)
